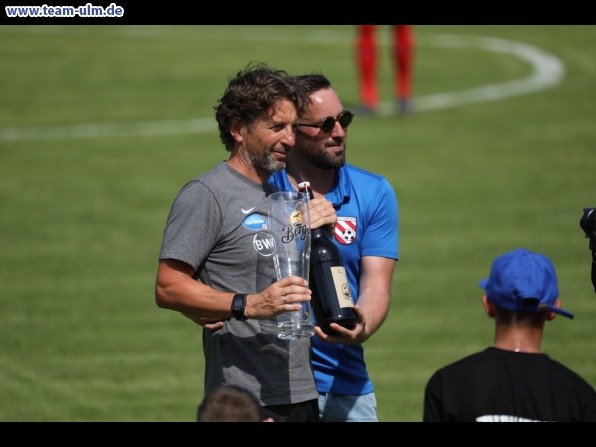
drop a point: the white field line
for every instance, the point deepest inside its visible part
(547, 72)
(99, 130)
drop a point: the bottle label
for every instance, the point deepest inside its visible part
(342, 287)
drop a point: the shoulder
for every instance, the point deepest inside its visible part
(219, 173)
(219, 185)
(364, 182)
(463, 364)
(359, 174)
(572, 376)
(206, 178)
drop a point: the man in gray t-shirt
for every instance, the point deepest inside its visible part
(212, 266)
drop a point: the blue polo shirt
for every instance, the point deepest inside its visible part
(367, 225)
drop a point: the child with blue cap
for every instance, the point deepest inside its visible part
(513, 380)
(523, 281)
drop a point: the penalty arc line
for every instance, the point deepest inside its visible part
(547, 72)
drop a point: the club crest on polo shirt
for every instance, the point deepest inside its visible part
(345, 230)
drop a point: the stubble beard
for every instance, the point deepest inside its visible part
(264, 163)
(319, 156)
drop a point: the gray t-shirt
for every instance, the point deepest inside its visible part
(217, 224)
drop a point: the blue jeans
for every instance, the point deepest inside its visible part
(342, 408)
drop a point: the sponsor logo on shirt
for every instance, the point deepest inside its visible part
(263, 244)
(255, 222)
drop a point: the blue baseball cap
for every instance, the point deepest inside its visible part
(523, 281)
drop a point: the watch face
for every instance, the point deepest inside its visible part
(238, 305)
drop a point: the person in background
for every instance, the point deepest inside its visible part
(231, 403)
(513, 380)
(367, 66)
(213, 265)
(366, 231)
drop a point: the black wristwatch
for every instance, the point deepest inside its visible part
(238, 305)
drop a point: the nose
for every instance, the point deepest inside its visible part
(338, 130)
(289, 136)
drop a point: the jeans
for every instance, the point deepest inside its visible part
(342, 408)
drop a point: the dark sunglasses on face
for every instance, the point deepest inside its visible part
(344, 118)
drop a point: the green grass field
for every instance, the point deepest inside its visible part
(100, 126)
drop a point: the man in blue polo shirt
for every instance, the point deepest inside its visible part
(367, 234)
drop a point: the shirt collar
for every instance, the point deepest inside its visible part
(339, 193)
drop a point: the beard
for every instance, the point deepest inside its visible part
(318, 155)
(264, 163)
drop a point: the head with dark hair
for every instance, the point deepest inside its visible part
(322, 130)
(313, 82)
(253, 92)
(230, 403)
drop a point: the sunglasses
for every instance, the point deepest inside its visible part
(344, 118)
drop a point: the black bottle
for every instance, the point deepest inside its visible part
(331, 298)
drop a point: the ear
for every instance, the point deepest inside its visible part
(489, 307)
(551, 315)
(236, 131)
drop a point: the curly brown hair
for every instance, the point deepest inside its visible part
(253, 92)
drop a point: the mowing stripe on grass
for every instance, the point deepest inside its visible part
(547, 72)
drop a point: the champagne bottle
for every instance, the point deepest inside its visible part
(331, 299)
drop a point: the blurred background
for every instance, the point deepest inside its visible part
(100, 126)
